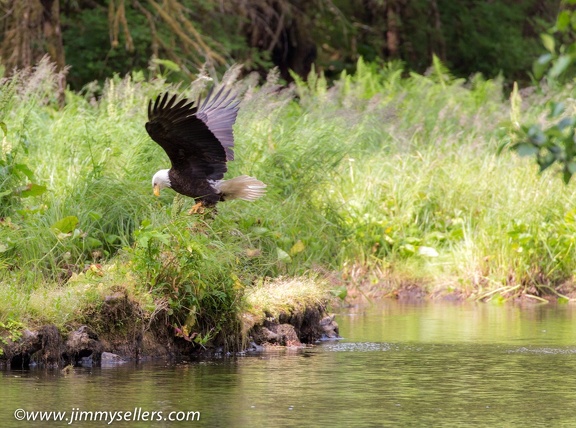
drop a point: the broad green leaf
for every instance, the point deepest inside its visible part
(540, 66)
(413, 240)
(298, 247)
(33, 190)
(556, 150)
(563, 20)
(4, 128)
(567, 122)
(66, 224)
(340, 292)
(91, 243)
(408, 249)
(545, 59)
(536, 135)
(283, 256)
(111, 238)
(560, 66)
(259, 230)
(164, 238)
(24, 170)
(546, 160)
(439, 236)
(548, 42)
(526, 149)
(556, 109)
(95, 215)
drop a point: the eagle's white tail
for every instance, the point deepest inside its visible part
(242, 187)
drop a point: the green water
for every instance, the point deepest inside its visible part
(399, 365)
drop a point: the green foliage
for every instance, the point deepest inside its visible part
(470, 36)
(496, 37)
(10, 330)
(146, 43)
(16, 178)
(187, 264)
(553, 144)
(88, 49)
(558, 63)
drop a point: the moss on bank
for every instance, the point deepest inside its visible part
(123, 319)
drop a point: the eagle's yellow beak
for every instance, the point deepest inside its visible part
(156, 190)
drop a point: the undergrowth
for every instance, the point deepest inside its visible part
(395, 173)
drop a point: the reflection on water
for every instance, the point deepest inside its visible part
(399, 365)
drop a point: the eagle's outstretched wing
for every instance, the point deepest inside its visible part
(198, 140)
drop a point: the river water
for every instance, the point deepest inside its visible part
(430, 364)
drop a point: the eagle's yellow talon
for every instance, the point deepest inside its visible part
(196, 209)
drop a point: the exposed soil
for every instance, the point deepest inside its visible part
(117, 332)
(294, 329)
(406, 291)
(362, 288)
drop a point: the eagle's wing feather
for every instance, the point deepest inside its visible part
(198, 141)
(219, 113)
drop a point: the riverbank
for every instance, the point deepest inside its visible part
(283, 312)
(111, 324)
(368, 284)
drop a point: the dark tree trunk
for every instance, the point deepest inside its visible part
(282, 28)
(31, 30)
(52, 32)
(437, 39)
(393, 30)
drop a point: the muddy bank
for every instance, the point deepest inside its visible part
(405, 291)
(293, 329)
(368, 290)
(142, 340)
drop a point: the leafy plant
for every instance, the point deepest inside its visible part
(552, 144)
(186, 264)
(17, 180)
(558, 64)
(10, 330)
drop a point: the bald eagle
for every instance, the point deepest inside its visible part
(198, 139)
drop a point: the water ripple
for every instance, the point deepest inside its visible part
(360, 347)
(525, 350)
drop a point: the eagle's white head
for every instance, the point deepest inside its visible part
(160, 181)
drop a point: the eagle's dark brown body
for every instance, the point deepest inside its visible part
(199, 189)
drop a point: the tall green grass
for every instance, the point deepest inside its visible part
(397, 175)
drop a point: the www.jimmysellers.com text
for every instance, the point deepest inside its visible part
(109, 417)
